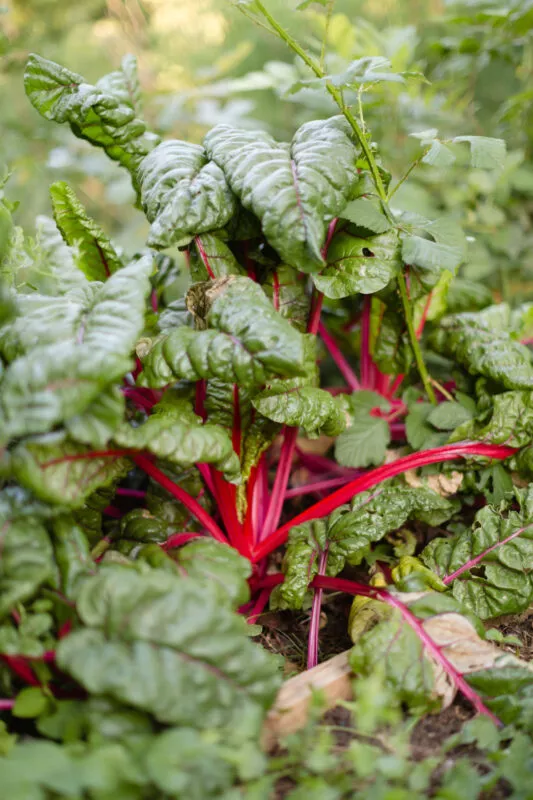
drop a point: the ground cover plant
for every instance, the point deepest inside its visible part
(325, 409)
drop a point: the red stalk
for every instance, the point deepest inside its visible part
(184, 497)
(366, 367)
(317, 299)
(205, 472)
(314, 626)
(280, 483)
(138, 493)
(353, 588)
(316, 486)
(178, 539)
(342, 364)
(6, 705)
(475, 561)
(204, 256)
(18, 665)
(378, 475)
(423, 319)
(259, 606)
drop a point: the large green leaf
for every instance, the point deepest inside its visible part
(509, 421)
(501, 583)
(27, 558)
(178, 435)
(350, 530)
(295, 190)
(183, 193)
(481, 345)
(91, 349)
(432, 247)
(246, 340)
(96, 113)
(167, 645)
(61, 471)
(72, 554)
(359, 265)
(96, 256)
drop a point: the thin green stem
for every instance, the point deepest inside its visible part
(415, 344)
(404, 178)
(329, 12)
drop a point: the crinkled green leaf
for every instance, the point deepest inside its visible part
(53, 382)
(509, 421)
(501, 582)
(307, 407)
(96, 256)
(210, 256)
(219, 565)
(97, 424)
(59, 257)
(350, 530)
(183, 193)
(27, 559)
(58, 470)
(167, 645)
(246, 340)
(124, 83)
(178, 435)
(365, 440)
(479, 345)
(392, 352)
(359, 265)
(295, 190)
(95, 113)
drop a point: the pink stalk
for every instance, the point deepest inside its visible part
(475, 561)
(316, 309)
(342, 364)
(320, 464)
(6, 705)
(280, 483)
(113, 511)
(18, 665)
(314, 626)
(378, 475)
(179, 539)
(184, 497)
(353, 588)
(316, 486)
(365, 357)
(138, 493)
(205, 472)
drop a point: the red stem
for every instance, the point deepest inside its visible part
(184, 497)
(375, 476)
(18, 665)
(131, 493)
(342, 364)
(314, 626)
(423, 319)
(317, 299)
(204, 256)
(353, 588)
(178, 539)
(259, 606)
(5, 704)
(316, 486)
(280, 483)
(474, 561)
(365, 357)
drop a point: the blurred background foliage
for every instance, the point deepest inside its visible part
(201, 63)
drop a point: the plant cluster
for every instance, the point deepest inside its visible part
(156, 455)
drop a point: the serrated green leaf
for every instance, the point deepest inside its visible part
(366, 437)
(448, 415)
(183, 193)
(96, 256)
(150, 638)
(93, 113)
(366, 213)
(295, 190)
(420, 434)
(356, 264)
(485, 152)
(246, 341)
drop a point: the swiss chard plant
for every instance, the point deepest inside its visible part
(157, 452)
